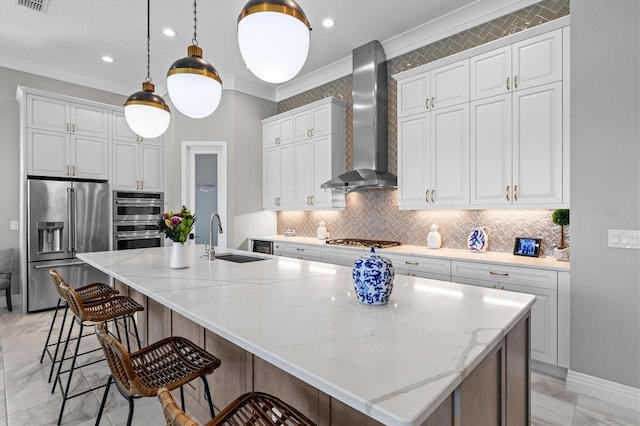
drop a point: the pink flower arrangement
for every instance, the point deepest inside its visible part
(177, 226)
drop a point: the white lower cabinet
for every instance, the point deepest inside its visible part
(137, 166)
(342, 256)
(541, 283)
(298, 251)
(420, 266)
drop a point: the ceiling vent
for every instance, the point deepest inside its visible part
(37, 5)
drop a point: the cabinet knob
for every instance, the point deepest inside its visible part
(507, 192)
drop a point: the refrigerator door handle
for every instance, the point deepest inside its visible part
(74, 202)
(71, 219)
(57, 265)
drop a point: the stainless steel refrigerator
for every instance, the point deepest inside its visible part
(64, 218)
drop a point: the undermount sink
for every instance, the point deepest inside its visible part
(238, 258)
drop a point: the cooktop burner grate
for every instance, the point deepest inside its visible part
(359, 242)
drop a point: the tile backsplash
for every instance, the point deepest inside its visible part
(374, 214)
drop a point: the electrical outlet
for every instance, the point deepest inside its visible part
(624, 238)
(14, 225)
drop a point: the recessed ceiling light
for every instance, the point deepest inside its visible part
(108, 59)
(328, 23)
(169, 32)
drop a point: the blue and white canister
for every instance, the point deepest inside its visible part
(478, 239)
(373, 278)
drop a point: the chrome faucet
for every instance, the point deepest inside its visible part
(212, 251)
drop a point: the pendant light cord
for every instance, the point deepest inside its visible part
(195, 24)
(148, 43)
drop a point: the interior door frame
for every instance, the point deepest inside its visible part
(189, 151)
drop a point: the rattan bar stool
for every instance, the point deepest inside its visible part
(252, 408)
(169, 363)
(87, 293)
(86, 314)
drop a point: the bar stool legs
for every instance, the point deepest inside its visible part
(65, 389)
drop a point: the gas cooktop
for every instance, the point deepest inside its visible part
(359, 242)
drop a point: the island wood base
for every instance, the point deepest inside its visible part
(496, 392)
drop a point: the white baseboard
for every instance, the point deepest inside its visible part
(550, 369)
(606, 390)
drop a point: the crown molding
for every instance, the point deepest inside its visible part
(474, 14)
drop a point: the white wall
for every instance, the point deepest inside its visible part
(236, 121)
(605, 188)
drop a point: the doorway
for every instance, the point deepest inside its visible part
(204, 187)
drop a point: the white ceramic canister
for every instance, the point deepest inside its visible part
(434, 240)
(322, 231)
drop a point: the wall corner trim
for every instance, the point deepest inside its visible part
(616, 393)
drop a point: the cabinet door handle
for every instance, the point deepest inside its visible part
(426, 103)
(502, 274)
(515, 81)
(494, 286)
(299, 249)
(515, 192)
(67, 127)
(311, 198)
(433, 198)
(73, 128)
(433, 102)
(426, 196)
(67, 170)
(508, 88)
(501, 287)
(507, 192)
(411, 263)
(311, 132)
(73, 170)
(308, 133)
(141, 184)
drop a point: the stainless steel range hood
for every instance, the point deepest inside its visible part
(369, 124)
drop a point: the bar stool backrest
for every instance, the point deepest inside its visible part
(119, 362)
(57, 280)
(69, 294)
(172, 412)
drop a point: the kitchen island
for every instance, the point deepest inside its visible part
(438, 350)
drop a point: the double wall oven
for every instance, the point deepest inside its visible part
(135, 219)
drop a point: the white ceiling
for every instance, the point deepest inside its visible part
(67, 41)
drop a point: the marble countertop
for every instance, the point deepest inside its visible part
(396, 362)
(506, 259)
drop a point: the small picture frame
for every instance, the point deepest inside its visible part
(526, 246)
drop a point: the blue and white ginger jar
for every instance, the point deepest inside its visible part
(478, 240)
(373, 279)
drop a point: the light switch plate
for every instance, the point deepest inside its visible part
(14, 225)
(624, 238)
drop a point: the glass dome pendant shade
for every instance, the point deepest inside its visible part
(194, 85)
(273, 36)
(147, 113)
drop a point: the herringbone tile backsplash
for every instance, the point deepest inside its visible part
(374, 214)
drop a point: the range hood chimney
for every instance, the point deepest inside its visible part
(369, 124)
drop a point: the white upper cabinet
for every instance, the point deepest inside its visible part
(278, 132)
(312, 123)
(528, 63)
(66, 139)
(137, 166)
(293, 172)
(450, 85)
(121, 131)
(438, 88)
(433, 159)
(537, 60)
(62, 116)
(537, 145)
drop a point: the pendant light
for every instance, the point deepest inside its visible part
(194, 85)
(273, 36)
(147, 113)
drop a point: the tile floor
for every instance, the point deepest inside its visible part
(26, 399)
